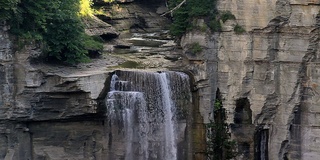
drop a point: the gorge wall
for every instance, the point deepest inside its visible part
(268, 77)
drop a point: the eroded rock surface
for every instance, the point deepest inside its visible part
(273, 65)
(268, 77)
(57, 112)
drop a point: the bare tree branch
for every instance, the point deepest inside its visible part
(177, 7)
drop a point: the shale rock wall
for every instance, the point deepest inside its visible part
(48, 112)
(268, 77)
(56, 112)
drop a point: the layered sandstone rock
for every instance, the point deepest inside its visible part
(273, 66)
(267, 76)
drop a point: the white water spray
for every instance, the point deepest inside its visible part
(144, 105)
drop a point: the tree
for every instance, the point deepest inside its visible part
(219, 145)
(7, 7)
(55, 24)
(184, 11)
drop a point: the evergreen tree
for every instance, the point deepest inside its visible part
(219, 146)
(191, 9)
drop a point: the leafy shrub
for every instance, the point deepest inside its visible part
(198, 8)
(215, 25)
(182, 17)
(239, 29)
(85, 8)
(226, 15)
(196, 48)
(180, 22)
(7, 8)
(93, 43)
(53, 23)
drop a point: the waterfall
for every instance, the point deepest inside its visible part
(170, 146)
(146, 107)
(122, 104)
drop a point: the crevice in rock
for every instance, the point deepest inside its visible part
(269, 109)
(283, 154)
(261, 139)
(244, 149)
(108, 36)
(295, 134)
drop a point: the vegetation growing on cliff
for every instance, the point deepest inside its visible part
(7, 8)
(191, 9)
(239, 29)
(219, 146)
(184, 12)
(195, 48)
(226, 15)
(55, 24)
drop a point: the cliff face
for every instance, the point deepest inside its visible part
(43, 114)
(57, 112)
(268, 77)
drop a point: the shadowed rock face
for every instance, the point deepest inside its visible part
(268, 77)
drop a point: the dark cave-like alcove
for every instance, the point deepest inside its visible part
(243, 112)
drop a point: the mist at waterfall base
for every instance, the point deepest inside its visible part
(147, 115)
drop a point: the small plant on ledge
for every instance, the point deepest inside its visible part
(196, 48)
(226, 15)
(239, 29)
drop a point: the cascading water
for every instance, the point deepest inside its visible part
(148, 109)
(170, 137)
(122, 104)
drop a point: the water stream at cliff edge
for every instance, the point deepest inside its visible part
(143, 104)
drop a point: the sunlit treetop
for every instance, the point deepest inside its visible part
(85, 8)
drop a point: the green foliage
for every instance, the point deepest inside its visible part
(219, 145)
(131, 64)
(7, 8)
(193, 9)
(180, 22)
(226, 15)
(199, 8)
(55, 24)
(85, 8)
(217, 105)
(215, 25)
(239, 29)
(182, 17)
(93, 43)
(196, 48)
